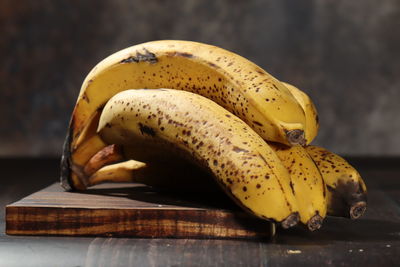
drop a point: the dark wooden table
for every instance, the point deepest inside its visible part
(373, 240)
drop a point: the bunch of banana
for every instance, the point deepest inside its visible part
(224, 117)
(230, 80)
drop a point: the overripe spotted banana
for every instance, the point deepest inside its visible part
(232, 81)
(307, 183)
(196, 127)
(310, 111)
(347, 193)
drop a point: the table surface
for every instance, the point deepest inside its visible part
(372, 240)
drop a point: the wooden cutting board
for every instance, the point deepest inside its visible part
(131, 210)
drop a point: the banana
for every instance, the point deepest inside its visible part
(125, 171)
(87, 150)
(197, 128)
(310, 111)
(109, 154)
(172, 174)
(308, 185)
(232, 81)
(347, 192)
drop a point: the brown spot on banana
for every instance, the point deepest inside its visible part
(180, 54)
(238, 149)
(86, 98)
(258, 123)
(213, 65)
(144, 129)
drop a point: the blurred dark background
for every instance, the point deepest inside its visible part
(344, 54)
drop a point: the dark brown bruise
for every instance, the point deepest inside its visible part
(147, 56)
(144, 129)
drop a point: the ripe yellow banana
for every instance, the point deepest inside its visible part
(310, 111)
(125, 171)
(308, 185)
(232, 81)
(347, 193)
(196, 127)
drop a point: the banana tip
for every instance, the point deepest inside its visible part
(358, 209)
(296, 137)
(290, 220)
(315, 222)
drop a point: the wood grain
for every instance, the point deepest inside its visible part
(132, 210)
